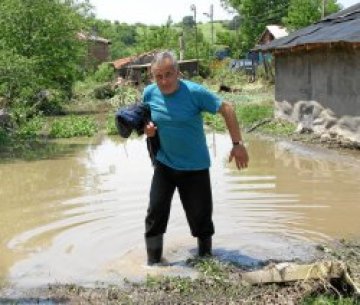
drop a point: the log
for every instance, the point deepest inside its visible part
(264, 121)
(290, 272)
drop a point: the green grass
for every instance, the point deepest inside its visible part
(278, 127)
(73, 126)
(249, 114)
(329, 300)
(110, 124)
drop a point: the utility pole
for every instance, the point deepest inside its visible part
(212, 24)
(323, 9)
(181, 46)
(193, 8)
(211, 16)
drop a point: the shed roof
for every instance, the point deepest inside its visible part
(122, 62)
(341, 27)
(180, 63)
(95, 38)
(277, 31)
(119, 63)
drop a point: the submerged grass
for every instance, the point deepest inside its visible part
(73, 126)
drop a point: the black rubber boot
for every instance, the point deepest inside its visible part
(154, 247)
(204, 246)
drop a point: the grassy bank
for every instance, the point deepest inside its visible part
(218, 283)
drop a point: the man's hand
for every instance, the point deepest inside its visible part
(150, 129)
(241, 156)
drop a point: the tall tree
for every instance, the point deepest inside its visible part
(305, 12)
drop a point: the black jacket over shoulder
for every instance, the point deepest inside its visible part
(134, 117)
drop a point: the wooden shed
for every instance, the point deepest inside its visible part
(137, 68)
(124, 66)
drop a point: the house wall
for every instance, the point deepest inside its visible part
(99, 52)
(330, 77)
(320, 91)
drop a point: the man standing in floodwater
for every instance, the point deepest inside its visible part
(183, 159)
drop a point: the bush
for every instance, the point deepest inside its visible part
(204, 69)
(50, 101)
(125, 95)
(21, 110)
(222, 74)
(104, 73)
(104, 91)
(31, 128)
(4, 137)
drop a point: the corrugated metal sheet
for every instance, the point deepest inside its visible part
(343, 26)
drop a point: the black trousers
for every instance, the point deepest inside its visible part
(195, 194)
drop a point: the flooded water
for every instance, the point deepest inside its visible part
(79, 217)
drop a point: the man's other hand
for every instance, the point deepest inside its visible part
(150, 129)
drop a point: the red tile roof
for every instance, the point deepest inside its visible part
(119, 63)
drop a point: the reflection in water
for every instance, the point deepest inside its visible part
(80, 218)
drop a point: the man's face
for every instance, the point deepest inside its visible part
(166, 77)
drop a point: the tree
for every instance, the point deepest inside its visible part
(255, 15)
(305, 12)
(44, 34)
(234, 24)
(157, 37)
(229, 39)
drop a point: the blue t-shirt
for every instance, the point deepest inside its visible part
(180, 125)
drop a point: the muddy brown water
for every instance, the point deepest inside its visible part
(79, 217)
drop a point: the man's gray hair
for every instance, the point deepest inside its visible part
(160, 57)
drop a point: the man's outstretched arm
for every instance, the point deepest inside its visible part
(238, 151)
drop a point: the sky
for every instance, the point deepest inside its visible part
(157, 12)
